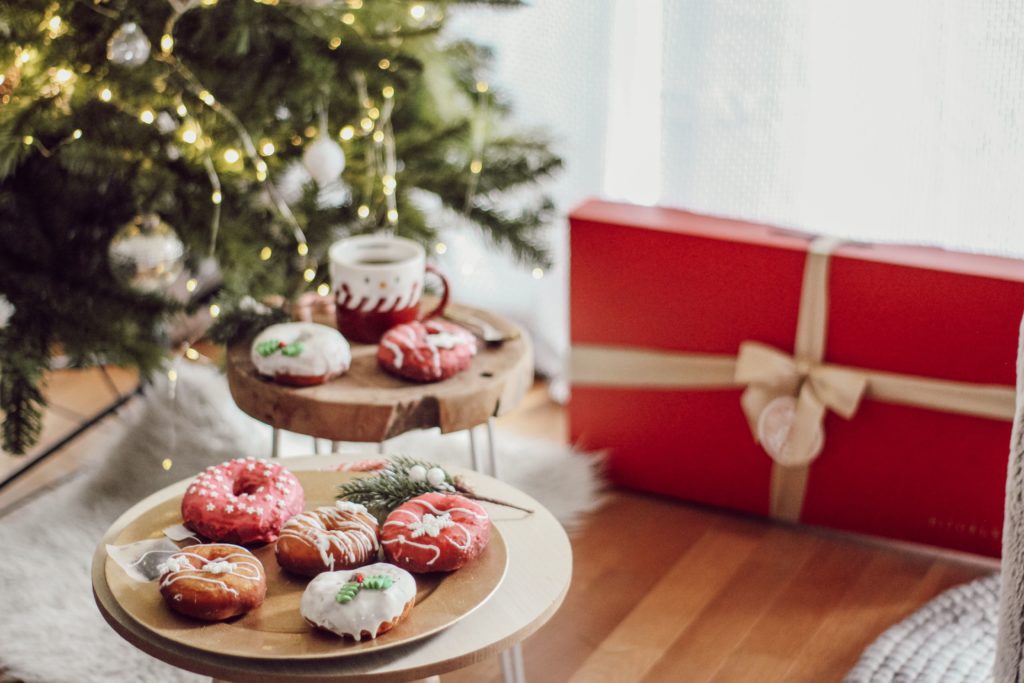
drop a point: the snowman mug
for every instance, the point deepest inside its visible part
(378, 281)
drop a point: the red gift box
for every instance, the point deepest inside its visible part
(681, 284)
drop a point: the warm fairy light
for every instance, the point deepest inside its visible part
(216, 197)
(388, 92)
(373, 113)
(440, 247)
(261, 170)
(265, 253)
(363, 211)
(366, 124)
(261, 175)
(418, 12)
(231, 155)
(392, 216)
(182, 110)
(348, 18)
(105, 94)
(347, 133)
(310, 131)
(355, 4)
(189, 135)
(302, 248)
(208, 3)
(267, 148)
(172, 375)
(384, 64)
(323, 289)
(207, 97)
(191, 354)
(28, 139)
(214, 310)
(191, 284)
(388, 181)
(538, 273)
(334, 43)
(62, 75)
(296, 140)
(476, 166)
(481, 86)
(309, 275)
(166, 43)
(54, 24)
(147, 116)
(378, 136)
(167, 464)
(76, 133)
(25, 56)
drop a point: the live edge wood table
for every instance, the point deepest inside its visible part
(539, 570)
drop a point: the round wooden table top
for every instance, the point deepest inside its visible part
(539, 571)
(368, 405)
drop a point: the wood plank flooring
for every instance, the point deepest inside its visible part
(667, 592)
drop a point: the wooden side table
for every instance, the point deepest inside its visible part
(539, 571)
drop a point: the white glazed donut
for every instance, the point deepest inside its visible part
(361, 603)
(300, 354)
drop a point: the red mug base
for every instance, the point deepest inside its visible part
(369, 326)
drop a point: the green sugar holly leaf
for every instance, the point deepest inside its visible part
(348, 592)
(378, 582)
(293, 349)
(268, 347)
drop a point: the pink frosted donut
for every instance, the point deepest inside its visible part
(245, 500)
(426, 351)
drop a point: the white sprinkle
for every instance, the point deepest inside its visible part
(260, 489)
(268, 498)
(250, 467)
(229, 508)
(192, 490)
(210, 507)
(202, 492)
(280, 503)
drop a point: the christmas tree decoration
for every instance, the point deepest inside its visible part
(6, 311)
(212, 115)
(129, 46)
(147, 254)
(325, 160)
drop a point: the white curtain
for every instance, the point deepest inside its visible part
(884, 120)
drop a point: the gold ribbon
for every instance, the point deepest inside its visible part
(768, 373)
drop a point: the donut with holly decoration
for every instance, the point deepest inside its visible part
(300, 353)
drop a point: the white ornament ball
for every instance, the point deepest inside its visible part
(6, 311)
(325, 160)
(436, 476)
(129, 46)
(147, 254)
(418, 473)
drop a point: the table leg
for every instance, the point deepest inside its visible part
(275, 442)
(492, 452)
(473, 452)
(316, 446)
(518, 666)
(380, 447)
(335, 446)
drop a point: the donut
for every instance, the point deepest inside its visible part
(360, 603)
(435, 532)
(341, 536)
(245, 500)
(213, 581)
(426, 351)
(300, 354)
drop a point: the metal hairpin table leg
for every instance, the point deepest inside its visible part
(492, 449)
(380, 447)
(275, 442)
(474, 457)
(316, 446)
(335, 446)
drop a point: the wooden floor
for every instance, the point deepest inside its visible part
(664, 591)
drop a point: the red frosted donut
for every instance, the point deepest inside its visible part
(245, 500)
(426, 351)
(435, 532)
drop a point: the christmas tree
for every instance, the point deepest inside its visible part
(142, 138)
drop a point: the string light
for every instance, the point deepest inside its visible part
(166, 43)
(62, 75)
(355, 4)
(267, 148)
(216, 197)
(189, 135)
(538, 273)
(261, 170)
(207, 97)
(388, 92)
(28, 139)
(378, 136)
(310, 131)
(440, 247)
(296, 140)
(384, 64)
(191, 354)
(389, 181)
(25, 56)
(363, 211)
(147, 116)
(476, 166)
(191, 284)
(417, 12)
(309, 275)
(334, 43)
(182, 110)
(232, 155)
(373, 113)
(348, 18)
(302, 248)
(392, 216)
(366, 124)
(347, 133)
(55, 25)
(481, 87)
(208, 3)
(214, 310)
(323, 289)
(265, 253)
(172, 375)
(76, 133)
(167, 464)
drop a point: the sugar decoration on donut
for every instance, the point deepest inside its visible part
(435, 532)
(245, 500)
(213, 581)
(426, 351)
(300, 353)
(342, 536)
(358, 604)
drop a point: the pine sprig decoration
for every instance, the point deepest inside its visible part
(400, 481)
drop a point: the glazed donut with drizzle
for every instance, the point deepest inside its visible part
(340, 536)
(426, 351)
(435, 532)
(213, 581)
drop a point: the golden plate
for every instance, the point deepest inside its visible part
(276, 630)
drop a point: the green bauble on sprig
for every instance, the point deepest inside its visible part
(404, 478)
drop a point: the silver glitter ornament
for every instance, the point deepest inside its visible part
(146, 254)
(129, 46)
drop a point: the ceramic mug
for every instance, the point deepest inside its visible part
(378, 281)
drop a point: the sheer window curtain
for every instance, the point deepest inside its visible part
(883, 120)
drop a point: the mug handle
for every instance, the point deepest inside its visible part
(439, 309)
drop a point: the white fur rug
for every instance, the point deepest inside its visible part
(50, 629)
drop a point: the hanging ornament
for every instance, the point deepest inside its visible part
(324, 159)
(146, 254)
(129, 46)
(6, 311)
